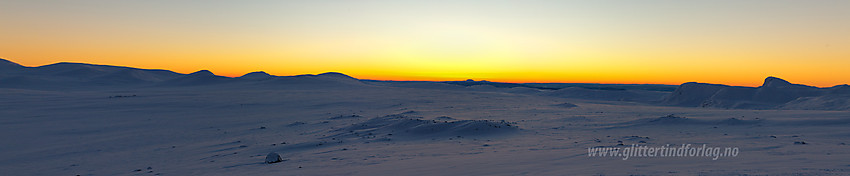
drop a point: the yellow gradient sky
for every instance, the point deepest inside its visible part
(595, 41)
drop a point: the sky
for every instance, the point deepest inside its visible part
(735, 42)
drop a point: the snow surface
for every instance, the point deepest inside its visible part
(154, 122)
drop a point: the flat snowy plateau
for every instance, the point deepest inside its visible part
(81, 119)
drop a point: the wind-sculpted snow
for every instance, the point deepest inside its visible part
(672, 120)
(566, 105)
(401, 126)
(609, 95)
(396, 128)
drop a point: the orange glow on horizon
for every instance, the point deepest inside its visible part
(621, 42)
(528, 77)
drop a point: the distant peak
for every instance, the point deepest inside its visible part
(68, 63)
(202, 73)
(335, 74)
(256, 75)
(775, 82)
(700, 84)
(332, 73)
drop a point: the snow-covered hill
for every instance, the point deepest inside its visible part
(77, 76)
(775, 93)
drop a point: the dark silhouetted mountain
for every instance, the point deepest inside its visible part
(202, 77)
(6, 66)
(471, 82)
(260, 75)
(775, 82)
(66, 75)
(774, 93)
(336, 75)
(83, 71)
(73, 70)
(324, 79)
(778, 91)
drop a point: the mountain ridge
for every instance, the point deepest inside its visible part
(775, 93)
(69, 75)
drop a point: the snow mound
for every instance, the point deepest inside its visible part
(693, 94)
(566, 105)
(736, 121)
(404, 126)
(446, 118)
(483, 87)
(296, 124)
(839, 102)
(523, 90)
(273, 158)
(352, 116)
(669, 119)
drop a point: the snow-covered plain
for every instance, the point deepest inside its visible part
(79, 119)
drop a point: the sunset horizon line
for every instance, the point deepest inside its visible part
(401, 78)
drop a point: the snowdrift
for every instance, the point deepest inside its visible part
(609, 95)
(679, 120)
(401, 126)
